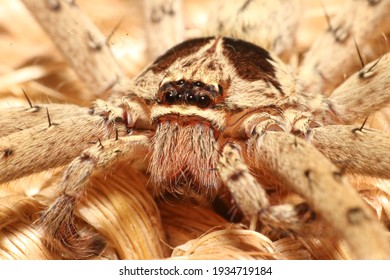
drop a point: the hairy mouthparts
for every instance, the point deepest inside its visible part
(184, 159)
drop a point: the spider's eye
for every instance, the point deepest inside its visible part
(170, 97)
(203, 100)
(190, 98)
(180, 82)
(198, 84)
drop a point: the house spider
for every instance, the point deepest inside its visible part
(220, 117)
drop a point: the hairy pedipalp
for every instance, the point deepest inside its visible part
(183, 157)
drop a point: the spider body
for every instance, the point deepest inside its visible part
(199, 89)
(217, 114)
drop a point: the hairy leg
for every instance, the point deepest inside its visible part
(269, 24)
(86, 50)
(363, 93)
(164, 26)
(333, 55)
(49, 145)
(353, 149)
(300, 167)
(251, 197)
(57, 222)
(18, 119)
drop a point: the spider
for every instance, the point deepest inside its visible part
(220, 116)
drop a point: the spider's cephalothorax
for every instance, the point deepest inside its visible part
(199, 89)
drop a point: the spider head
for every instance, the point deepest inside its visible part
(194, 89)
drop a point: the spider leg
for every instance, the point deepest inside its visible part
(363, 93)
(57, 222)
(49, 145)
(245, 189)
(269, 24)
(18, 119)
(360, 22)
(73, 134)
(354, 149)
(290, 120)
(164, 26)
(86, 50)
(301, 168)
(251, 197)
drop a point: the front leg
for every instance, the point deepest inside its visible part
(251, 197)
(301, 168)
(57, 222)
(287, 160)
(48, 144)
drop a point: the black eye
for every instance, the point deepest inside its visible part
(198, 84)
(203, 101)
(170, 97)
(190, 97)
(180, 82)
